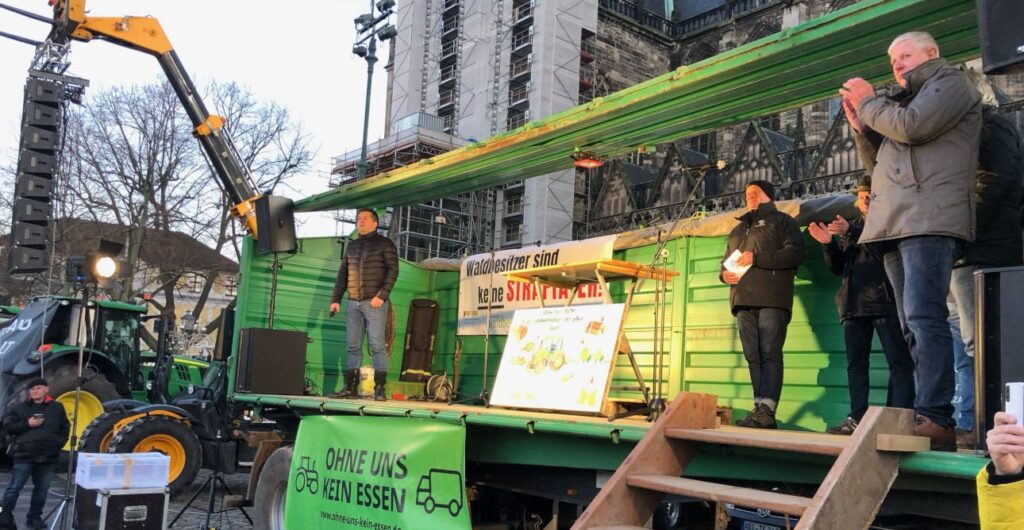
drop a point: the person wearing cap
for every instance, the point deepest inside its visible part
(866, 305)
(761, 297)
(38, 428)
(921, 147)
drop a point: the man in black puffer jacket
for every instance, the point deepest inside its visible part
(770, 243)
(866, 304)
(367, 273)
(39, 428)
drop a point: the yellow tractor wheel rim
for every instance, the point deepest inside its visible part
(166, 445)
(89, 407)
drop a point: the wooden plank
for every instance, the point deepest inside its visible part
(619, 504)
(810, 443)
(900, 443)
(700, 489)
(855, 487)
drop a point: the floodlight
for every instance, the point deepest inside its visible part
(359, 50)
(387, 32)
(384, 5)
(364, 20)
(105, 267)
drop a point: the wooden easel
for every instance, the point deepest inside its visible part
(572, 275)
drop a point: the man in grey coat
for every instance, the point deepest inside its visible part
(921, 147)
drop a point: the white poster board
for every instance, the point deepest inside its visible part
(558, 358)
(487, 295)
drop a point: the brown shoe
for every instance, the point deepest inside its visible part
(943, 438)
(762, 417)
(965, 440)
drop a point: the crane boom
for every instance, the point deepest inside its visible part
(145, 34)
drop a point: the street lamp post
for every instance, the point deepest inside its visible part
(371, 27)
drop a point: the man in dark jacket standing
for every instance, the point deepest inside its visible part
(997, 242)
(367, 273)
(39, 428)
(769, 242)
(866, 305)
(922, 150)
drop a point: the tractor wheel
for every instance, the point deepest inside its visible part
(95, 390)
(98, 434)
(271, 488)
(166, 435)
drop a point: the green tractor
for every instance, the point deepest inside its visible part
(47, 336)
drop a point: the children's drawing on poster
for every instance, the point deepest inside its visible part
(558, 358)
(487, 295)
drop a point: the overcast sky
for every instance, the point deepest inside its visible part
(295, 53)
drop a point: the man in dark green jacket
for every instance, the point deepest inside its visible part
(769, 242)
(367, 273)
(39, 428)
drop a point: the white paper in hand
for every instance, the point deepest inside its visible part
(731, 266)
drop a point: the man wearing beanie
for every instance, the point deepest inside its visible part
(769, 242)
(38, 428)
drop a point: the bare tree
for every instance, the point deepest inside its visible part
(130, 160)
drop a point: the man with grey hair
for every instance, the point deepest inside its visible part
(921, 146)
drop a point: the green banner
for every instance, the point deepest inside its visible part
(377, 473)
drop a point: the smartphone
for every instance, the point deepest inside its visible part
(38, 415)
(1013, 398)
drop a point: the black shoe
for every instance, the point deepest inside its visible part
(351, 390)
(380, 378)
(845, 428)
(762, 417)
(35, 524)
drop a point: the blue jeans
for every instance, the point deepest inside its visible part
(762, 333)
(961, 322)
(919, 271)
(363, 319)
(41, 475)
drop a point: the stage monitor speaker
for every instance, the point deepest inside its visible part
(275, 225)
(1002, 41)
(997, 358)
(271, 361)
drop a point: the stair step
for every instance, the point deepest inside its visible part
(699, 489)
(795, 441)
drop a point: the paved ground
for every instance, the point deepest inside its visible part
(192, 518)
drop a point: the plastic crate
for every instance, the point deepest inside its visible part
(122, 470)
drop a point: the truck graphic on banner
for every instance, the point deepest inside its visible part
(440, 488)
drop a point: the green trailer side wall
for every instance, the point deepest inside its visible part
(701, 348)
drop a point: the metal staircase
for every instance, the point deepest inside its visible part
(848, 498)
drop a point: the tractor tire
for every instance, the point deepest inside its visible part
(95, 390)
(168, 436)
(99, 433)
(271, 488)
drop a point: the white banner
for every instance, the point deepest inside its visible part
(558, 358)
(486, 293)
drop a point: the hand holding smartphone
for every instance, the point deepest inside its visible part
(1013, 398)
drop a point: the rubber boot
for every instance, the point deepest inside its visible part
(380, 378)
(351, 390)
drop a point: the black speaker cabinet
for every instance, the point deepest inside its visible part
(225, 334)
(1002, 41)
(271, 361)
(275, 225)
(997, 356)
(134, 509)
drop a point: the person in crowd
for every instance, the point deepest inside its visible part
(769, 242)
(39, 429)
(1001, 483)
(367, 273)
(866, 305)
(921, 146)
(997, 243)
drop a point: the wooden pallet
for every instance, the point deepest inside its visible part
(848, 498)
